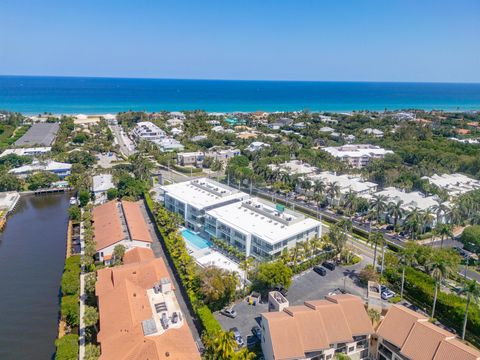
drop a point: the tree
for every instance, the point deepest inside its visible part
(246, 266)
(92, 352)
(9, 182)
(378, 206)
(444, 231)
(83, 197)
(217, 286)
(412, 222)
(69, 309)
(368, 273)
(118, 253)
(112, 194)
(270, 274)
(471, 236)
(67, 347)
(74, 213)
(90, 281)
(395, 210)
(41, 180)
(407, 257)
(220, 346)
(90, 317)
(472, 290)
(376, 239)
(374, 316)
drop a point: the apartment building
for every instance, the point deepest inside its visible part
(405, 334)
(259, 228)
(119, 223)
(101, 184)
(454, 184)
(148, 131)
(223, 155)
(191, 199)
(316, 330)
(190, 158)
(357, 155)
(139, 314)
(294, 167)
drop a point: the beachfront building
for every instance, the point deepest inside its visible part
(346, 183)
(316, 330)
(119, 223)
(191, 199)
(259, 228)
(294, 167)
(454, 184)
(139, 314)
(406, 334)
(35, 151)
(60, 169)
(148, 131)
(100, 185)
(357, 155)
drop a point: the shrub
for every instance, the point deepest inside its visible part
(67, 347)
(74, 213)
(271, 274)
(471, 237)
(367, 274)
(209, 322)
(70, 309)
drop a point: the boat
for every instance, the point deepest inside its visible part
(73, 200)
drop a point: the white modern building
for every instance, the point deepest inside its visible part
(454, 184)
(62, 170)
(146, 130)
(190, 158)
(260, 228)
(357, 155)
(373, 132)
(169, 144)
(294, 167)
(191, 199)
(257, 145)
(101, 184)
(346, 183)
(223, 155)
(35, 151)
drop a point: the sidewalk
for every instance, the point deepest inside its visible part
(81, 329)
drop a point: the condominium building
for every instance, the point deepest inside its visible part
(119, 223)
(168, 144)
(146, 130)
(191, 199)
(454, 184)
(357, 155)
(62, 170)
(260, 228)
(346, 183)
(294, 167)
(35, 151)
(139, 314)
(405, 334)
(190, 158)
(223, 155)
(317, 330)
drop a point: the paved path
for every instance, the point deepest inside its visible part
(81, 330)
(127, 147)
(159, 251)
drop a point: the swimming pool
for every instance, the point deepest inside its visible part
(195, 240)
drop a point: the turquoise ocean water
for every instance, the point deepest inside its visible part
(34, 95)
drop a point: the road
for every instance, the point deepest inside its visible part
(127, 147)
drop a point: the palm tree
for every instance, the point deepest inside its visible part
(306, 248)
(439, 209)
(440, 265)
(472, 290)
(318, 198)
(246, 266)
(350, 202)
(374, 316)
(315, 244)
(319, 186)
(333, 190)
(220, 346)
(444, 230)
(378, 205)
(407, 257)
(412, 222)
(395, 210)
(427, 219)
(375, 240)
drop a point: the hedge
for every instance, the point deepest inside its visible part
(67, 347)
(186, 170)
(450, 308)
(184, 264)
(308, 264)
(71, 276)
(70, 309)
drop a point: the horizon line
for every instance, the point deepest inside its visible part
(237, 80)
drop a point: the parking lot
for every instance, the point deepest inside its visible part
(306, 286)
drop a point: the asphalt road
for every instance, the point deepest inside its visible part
(127, 147)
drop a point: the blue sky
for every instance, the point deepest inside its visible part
(342, 40)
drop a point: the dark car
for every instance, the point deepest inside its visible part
(281, 290)
(238, 337)
(329, 265)
(257, 332)
(320, 270)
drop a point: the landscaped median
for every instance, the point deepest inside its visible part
(167, 226)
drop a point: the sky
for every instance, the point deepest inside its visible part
(341, 40)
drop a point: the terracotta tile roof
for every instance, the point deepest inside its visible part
(123, 304)
(107, 226)
(138, 254)
(418, 339)
(315, 325)
(398, 323)
(136, 221)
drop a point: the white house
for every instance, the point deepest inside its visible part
(101, 184)
(146, 130)
(62, 170)
(357, 155)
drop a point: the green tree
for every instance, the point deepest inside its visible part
(118, 253)
(376, 239)
(220, 346)
(83, 197)
(70, 309)
(407, 257)
(471, 236)
(90, 317)
(472, 290)
(218, 286)
(67, 347)
(41, 180)
(112, 194)
(270, 274)
(74, 213)
(92, 352)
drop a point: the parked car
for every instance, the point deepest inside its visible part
(329, 265)
(320, 270)
(238, 337)
(387, 294)
(281, 290)
(257, 331)
(229, 312)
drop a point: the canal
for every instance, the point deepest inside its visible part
(32, 252)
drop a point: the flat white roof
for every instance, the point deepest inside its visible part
(102, 182)
(411, 200)
(455, 184)
(26, 151)
(257, 217)
(214, 258)
(358, 150)
(203, 192)
(38, 166)
(294, 167)
(345, 182)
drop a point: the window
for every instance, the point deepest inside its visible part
(350, 349)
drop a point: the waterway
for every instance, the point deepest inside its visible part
(32, 256)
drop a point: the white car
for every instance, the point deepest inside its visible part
(387, 294)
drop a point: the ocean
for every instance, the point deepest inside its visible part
(67, 95)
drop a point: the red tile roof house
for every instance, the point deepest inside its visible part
(317, 330)
(140, 318)
(119, 223)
